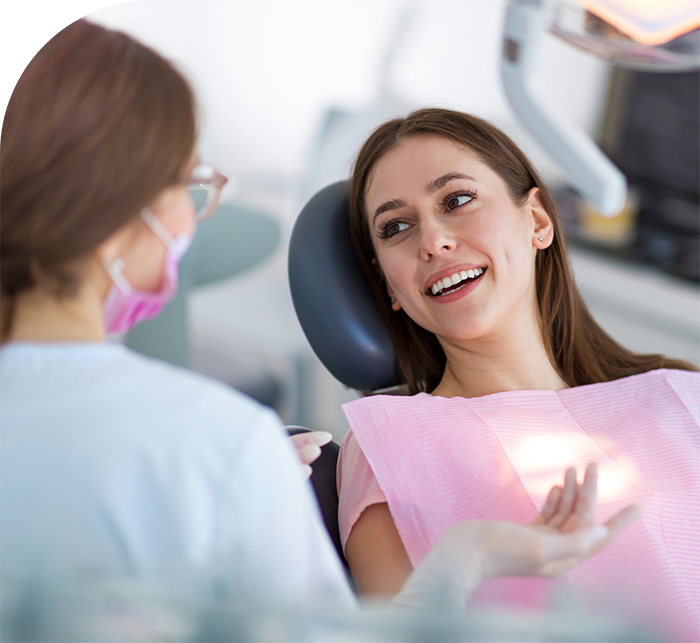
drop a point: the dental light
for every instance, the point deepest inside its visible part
(652, 35)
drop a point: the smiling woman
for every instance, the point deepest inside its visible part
(461, 243)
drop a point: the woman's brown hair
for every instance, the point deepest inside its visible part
(97, 126)
(580, 350)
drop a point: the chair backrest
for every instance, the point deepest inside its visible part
(332, 299)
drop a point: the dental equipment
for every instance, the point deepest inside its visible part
(658, 35)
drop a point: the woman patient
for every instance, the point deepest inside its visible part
(510, 378)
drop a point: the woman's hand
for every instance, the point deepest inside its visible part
(308, 447)
(562, 535)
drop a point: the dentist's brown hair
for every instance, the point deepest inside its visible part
(97, 126)
(580, 350)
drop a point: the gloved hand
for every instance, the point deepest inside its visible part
(308, 446)
(561, 536)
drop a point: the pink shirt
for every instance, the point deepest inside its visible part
(362, 489)
(438, 461)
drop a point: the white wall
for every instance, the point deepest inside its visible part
(266, 71)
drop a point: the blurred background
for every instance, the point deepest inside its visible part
(287, 93)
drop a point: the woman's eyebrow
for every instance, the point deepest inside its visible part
(394, 204)
(438, 183)
(444, 180)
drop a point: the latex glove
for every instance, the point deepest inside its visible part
(561, 536)
(308, 447)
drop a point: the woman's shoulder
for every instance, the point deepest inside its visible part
(677, 374)
(379, 401)
(673, 378)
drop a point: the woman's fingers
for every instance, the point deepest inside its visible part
(566, 501)
(587, 494)
(573, 505)
(583, 510)
(619, 522)
(550, 507)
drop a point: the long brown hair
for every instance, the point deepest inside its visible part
(578, 348)
(97, 126)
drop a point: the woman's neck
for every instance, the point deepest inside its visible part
(483, 367)
(40, 317)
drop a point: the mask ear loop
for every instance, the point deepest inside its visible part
(114, 270)
(155, 224)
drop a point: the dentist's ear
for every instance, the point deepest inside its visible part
(542, 228)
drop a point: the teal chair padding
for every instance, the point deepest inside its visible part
(234, 240)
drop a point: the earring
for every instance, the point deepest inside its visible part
(540, 238)
(393, 300)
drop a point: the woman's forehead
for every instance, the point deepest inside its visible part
(421, 158)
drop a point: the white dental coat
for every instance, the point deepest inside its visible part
(114, 465)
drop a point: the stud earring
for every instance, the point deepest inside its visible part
(540, 238)
(393, 300)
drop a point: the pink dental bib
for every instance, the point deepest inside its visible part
(439, 461)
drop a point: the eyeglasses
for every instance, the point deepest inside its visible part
(204, 188)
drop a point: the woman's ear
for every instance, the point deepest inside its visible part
(112, 247)
(395, 305)
(118, 243)
(542, 227)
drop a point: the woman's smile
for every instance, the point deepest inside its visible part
(454, 281)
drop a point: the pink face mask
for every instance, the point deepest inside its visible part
(126, 306)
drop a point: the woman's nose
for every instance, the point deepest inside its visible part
(435, 240)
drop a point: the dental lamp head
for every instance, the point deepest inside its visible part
(656, 35)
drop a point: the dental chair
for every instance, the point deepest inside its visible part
(337, 313)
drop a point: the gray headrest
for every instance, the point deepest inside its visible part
(332, 298)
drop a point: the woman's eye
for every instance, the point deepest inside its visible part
(393, 228)
(457, 201)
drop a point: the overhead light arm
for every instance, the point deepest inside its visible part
(592, 173)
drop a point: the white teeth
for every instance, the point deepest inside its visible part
(452, 280)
